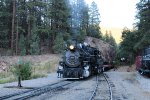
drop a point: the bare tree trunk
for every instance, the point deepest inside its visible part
(19, 81)
(17, 39)
(19, 77)
(29, 36)
(13, 25)
(17, 31)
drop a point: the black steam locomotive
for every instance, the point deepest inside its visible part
(80, 61)
(145, 63)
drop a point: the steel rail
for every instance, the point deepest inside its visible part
(95, 89)
(46, 88)
(110, 88)
(41, 91)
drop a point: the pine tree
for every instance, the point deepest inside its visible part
(143, 24)
(58, 44)
(39, 22)
(5, 23)
(79, 18)
(94, 14)
(22, 45)
(109, 39)
(94, 21)
(106, 37)
(34, 42)
(112, 40)
(59, 15)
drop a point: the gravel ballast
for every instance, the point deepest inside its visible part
(128, 86)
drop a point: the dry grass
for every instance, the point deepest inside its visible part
(6, 77)
(41, 67)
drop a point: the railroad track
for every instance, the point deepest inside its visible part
(96, 89)
(110, 88)
(36, 92)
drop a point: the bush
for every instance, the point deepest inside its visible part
(22, 69)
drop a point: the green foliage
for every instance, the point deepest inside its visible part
(127, 46)
(38, 23)
(133, 42)
(66, 36)
(22, 45)
(143, 24)
(94, 21)
(94, 31)
(58, 44)
(34, 44)
(22, 69)
(109, 39)
(94, 14)
(81, 36)
(5, 22)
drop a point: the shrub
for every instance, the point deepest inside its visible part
(22, 69)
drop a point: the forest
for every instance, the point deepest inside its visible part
(31, 27)
(136, 40)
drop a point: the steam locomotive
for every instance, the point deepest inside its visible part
(145, 63)
(80, 61)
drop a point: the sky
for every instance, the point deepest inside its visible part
(116, 14)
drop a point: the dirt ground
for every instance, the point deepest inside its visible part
(125, 69)
(129, 84)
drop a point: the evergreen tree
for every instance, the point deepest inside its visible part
(94, 21)
(109, 39)
(127, 45)
(34, 43)
(106, 37)
(94, 14)
(22, 45)
(58, 44)
(5, 23)
(59, 18)
(112, 40)
(143, 24)
(79, 18)
(27, 25)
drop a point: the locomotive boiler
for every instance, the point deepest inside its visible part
(80, 61)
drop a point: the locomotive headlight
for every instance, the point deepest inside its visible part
(60, 67)
(71, 47)
(86, 68)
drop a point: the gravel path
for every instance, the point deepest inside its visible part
(129, 85)
(82, 90)
(50, 79)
